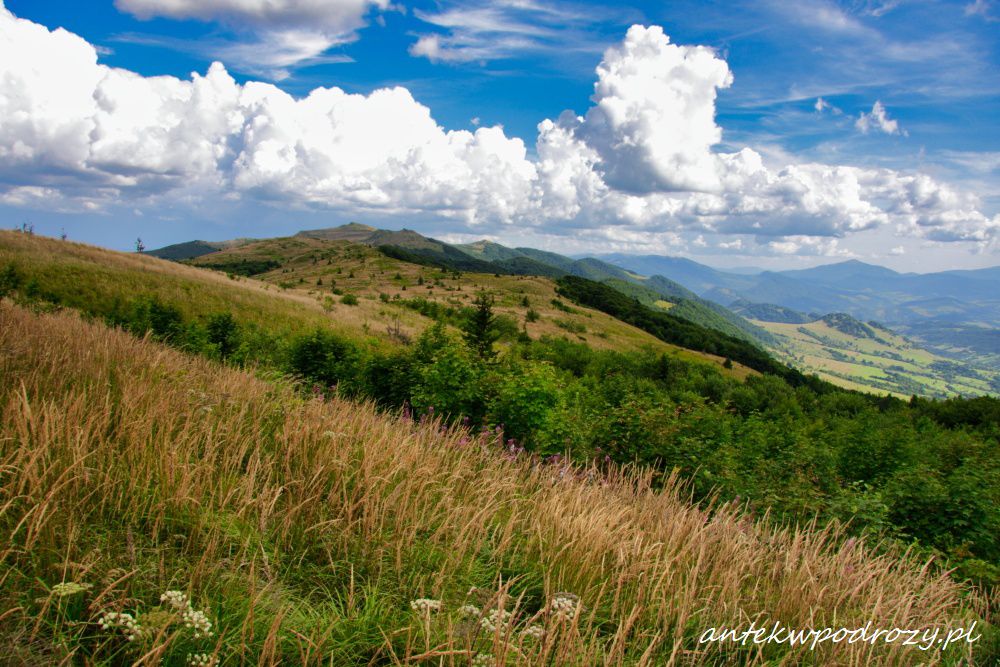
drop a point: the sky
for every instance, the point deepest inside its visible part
(763, 133)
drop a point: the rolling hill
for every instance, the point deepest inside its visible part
(954, 358)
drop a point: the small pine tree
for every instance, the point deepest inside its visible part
(728, 363)
(139, 247)
(480, 331)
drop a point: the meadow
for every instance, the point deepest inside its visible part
(140, 480)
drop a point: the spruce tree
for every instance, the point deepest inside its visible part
(480, 331)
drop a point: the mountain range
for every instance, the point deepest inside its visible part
(943, 325)
(956, 313)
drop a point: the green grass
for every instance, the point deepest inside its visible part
(889, 364)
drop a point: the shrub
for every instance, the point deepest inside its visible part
(322, 357)
(223, 334)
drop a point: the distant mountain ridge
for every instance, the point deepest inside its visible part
(957, 312)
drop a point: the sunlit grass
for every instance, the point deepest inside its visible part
(303, 530)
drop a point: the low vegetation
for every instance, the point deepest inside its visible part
(161, 508)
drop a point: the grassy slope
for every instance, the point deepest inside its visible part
(87, 276)
(303, 528)
(891, 364)
(375, 274)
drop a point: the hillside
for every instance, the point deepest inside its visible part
(304, 529)
(329, 269)
(557, 376)
(857, 355)
(788, 449)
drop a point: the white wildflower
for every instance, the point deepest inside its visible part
(496, 619)
(190, 617)
(469, 611)
(197, 621)
(65, 588)
(564, 606)
(534, 631)
(176, 599)
(202, 660)
(123, 621)
(425, 605)
(483, 660)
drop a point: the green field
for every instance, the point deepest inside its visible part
(868, 358)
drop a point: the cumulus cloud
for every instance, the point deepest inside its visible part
(287, 32)
(653, 119)
(640, 166)
(878, 119)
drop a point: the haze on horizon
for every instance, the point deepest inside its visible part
(735, 134)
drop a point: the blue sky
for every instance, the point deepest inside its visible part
(905, 94)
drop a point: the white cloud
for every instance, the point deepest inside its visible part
(287, 32)
(981, 8)
(640, 166)
(481, 31)
(808, 245)
(823, 105)
(878, 119)
(653, 119)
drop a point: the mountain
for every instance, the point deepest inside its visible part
(404, 244)
(191, 249)
(490, 251)
(929, 307)
(769, 312)
(950, 316)
(696, 277)
(352, 231)
(275, 444)
(655, 291)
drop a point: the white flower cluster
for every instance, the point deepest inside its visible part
(469, 611)
(176, 599)
(125, 621)
(192, 618)
(564, 606)
(425, 605)
(69, 588)
(534, 632)
(202, 660)
(483, 660)
(198, 621)
(496, 619)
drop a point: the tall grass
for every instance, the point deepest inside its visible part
(304, 528)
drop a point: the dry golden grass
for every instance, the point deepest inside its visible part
(305, 527)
